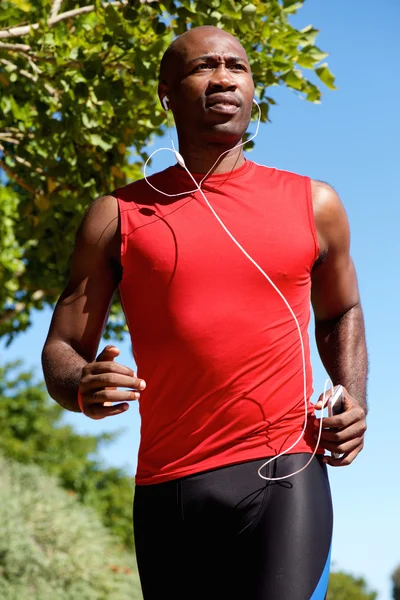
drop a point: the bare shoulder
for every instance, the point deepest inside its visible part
(330, 216)
(96, 249)
(99, 228)
(100, 222)
(325, 199)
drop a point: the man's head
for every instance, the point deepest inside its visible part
(206, 76)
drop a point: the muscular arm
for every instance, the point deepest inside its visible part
(339, 327)
(339, 322)
(81, 312)
(342, 348)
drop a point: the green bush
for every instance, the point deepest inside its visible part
(53, 548)
(343, 586)
(33, 431)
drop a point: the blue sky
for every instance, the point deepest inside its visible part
(351, 141)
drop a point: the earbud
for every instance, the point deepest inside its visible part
(255, 102)
(179, 157)
(165, 101)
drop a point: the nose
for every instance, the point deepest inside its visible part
(222, 79)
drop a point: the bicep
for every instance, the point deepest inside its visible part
(83, 307)
(334, 288)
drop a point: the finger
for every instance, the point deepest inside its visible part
(345, 447)
(100, 411)
(324, 397)
(343, 461)
(107, 367)
(345, 419)
(108, 353)
(328, 393)
(112, 380)
(342, 435)
(111, 396)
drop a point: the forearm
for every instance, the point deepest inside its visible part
(62, 368)
(342, 347)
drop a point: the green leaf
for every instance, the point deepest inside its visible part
(308, 35)
(293, 79)
(310, 56)
(249, 10)
(88, 122)
(289, 3)
(74, 53)
(292, 6)
(96, 140)
(313, 94)
(216, 15)
(326, 76)
(231, 8)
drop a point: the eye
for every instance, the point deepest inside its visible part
(201, 67)
(239, 67)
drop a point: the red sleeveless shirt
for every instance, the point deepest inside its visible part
(215, 343)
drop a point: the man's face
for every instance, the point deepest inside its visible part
(210, 86)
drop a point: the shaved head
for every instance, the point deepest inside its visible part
(206, 82)
(176, 52)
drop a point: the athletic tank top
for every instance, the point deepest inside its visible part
(215, 343)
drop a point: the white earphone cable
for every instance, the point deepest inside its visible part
(182, 162)
(198, 189)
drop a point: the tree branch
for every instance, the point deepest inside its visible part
(16, 178)
(52, 91)
(26, 163)
(17, 158)
(55, 8)
(5, 134)
(34, 67)
(15, 68)
(6, 137)
(16, 47)
(21, 31)
(28, 75)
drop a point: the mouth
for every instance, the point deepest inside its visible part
(222, 103)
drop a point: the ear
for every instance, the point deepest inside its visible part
(162, 92)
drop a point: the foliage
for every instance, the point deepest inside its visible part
(78, 106)
(53, 548)
(32, 432)
(396, 583)
(343, 586)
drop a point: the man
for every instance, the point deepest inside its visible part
(220, 367)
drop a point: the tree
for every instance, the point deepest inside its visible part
(343, 586)
(78, 105)
(53, 548)
(396, 583)
(32, 432)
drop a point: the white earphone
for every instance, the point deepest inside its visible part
(164, 102)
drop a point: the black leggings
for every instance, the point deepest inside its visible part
(228, 534)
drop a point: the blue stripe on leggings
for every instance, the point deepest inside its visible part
(322, 586)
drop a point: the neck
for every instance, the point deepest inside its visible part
(200, 160)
